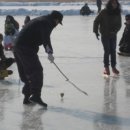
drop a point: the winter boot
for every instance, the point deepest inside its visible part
(107, 71)
(37, 100)
(115, 71)
(26, 100)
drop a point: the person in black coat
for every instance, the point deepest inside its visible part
(124, 45)
(85, 10)
(36, 33)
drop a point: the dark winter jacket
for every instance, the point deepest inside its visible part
(37, 32)
(125, 40)
(107, 24)
(85, 10)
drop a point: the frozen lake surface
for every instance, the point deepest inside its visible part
(79, 55)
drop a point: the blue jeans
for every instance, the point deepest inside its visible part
(109, 45)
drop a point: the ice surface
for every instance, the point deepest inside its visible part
(79, 55)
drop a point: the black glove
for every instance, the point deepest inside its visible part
(97, 35)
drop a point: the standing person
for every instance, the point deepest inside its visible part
(37, 32)
(99, 5)
(108, 22)
(124, 45)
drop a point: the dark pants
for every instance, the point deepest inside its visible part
(30, 71)
(109, 45)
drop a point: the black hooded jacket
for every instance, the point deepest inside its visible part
(37, 32)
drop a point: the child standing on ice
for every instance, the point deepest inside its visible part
(108, 22)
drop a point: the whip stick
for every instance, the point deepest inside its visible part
(67, 79)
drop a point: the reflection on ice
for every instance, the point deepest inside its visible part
(31, 119)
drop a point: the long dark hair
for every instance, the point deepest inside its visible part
(13, 21)
(111, 10)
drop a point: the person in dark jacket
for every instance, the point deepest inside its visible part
(36, 33)
(85, 10)
(124, 45)
(108, 22)
(99, 5)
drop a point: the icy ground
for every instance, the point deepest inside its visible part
(79, 55)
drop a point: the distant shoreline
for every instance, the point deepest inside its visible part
(45, 0)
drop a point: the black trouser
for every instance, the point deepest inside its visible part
(109, 45)
(30, 71)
